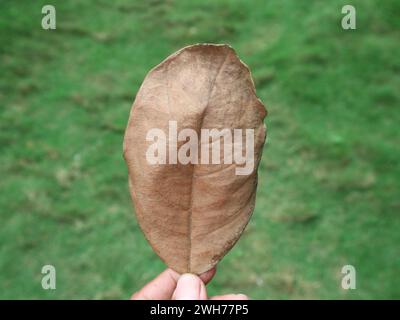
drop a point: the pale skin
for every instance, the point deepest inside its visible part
(170, 285)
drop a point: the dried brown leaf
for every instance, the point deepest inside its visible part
(192, 214)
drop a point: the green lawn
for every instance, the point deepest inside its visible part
(329, 178)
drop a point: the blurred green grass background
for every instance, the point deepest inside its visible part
(329, 178)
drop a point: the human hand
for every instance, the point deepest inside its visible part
(170, 285)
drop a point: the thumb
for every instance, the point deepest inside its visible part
(190, 287)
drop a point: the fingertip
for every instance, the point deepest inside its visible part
(173, 274)
(190, 287)
(160, 288)
(188, 278)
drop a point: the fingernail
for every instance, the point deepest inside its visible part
(188, 287)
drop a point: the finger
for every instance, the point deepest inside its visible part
(190, 287)
(161, 288)
(231, 297)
